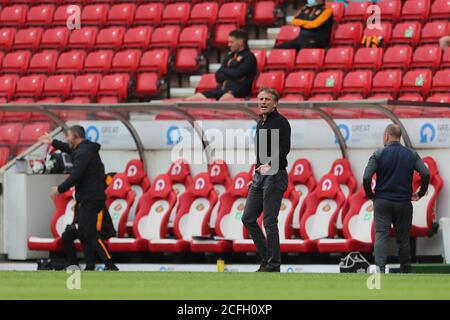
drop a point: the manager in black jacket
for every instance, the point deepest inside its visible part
(88, 178)
(394, 166)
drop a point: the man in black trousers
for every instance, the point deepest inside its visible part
(88, 177)
(273, 143)
(394, 166)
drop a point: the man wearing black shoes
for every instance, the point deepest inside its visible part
(273, 143)
(88, 178)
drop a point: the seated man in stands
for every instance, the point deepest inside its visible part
(315, 21)
(235, 76)
(445, 42)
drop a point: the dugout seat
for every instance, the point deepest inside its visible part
(180, 175)
(220, 178)
(192, 218)
(152, 217)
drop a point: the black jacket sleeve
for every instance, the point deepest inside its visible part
(64, 147)
(80, 163)
(424, 173)
(220, 76)
(370, 170)
(246, 67)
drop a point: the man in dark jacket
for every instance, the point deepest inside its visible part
(394, 166)
(88, 178)
(315, 21)
(237, 72)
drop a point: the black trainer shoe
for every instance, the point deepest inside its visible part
(109, 266)
(262, 267)
(44, 265)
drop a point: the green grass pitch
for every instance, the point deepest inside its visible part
(223, 286)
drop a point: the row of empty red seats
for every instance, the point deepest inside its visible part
(16, 135)
(346, 58)
(393, 10)
(351, 33)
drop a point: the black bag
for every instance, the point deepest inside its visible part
(354, 262)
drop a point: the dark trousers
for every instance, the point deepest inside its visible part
(88, 219)
(265, 195)
(399, 214)
(300, 43)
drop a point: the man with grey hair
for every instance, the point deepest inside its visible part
(270, 180)
(394, 166)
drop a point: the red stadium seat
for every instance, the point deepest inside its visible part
(207, 82)
(149, 13)
(95, 14)
(138, 37)
(321, 97)
(9, 134)
(416, 10)
(263, 13)
(440, 9)
(28, 38)
(194, 36)
(176, 13)
(126, 60)
(86, 84)
(83, 38)
(338, 58)
(30, 133)
(232, 204)
(358, 227)
(417, 81)
(328, 82)
(221, 180)
(310, 59)
(8, 85)
(397, 57)
(196, 205)
(287, 33)
(115, 85)
(299, 82)
(204, 12)
(412, 97)
(221, 34)
(61, 15)
(439, 97)
(356, 11)
(40, 15)
(166, 36)
(4, 156)
(433, 31)
(106, 100)
(426, 56)
(98, 61)
(30, 86)
(390, 9)
(110, 37)
(406, 32)
(425, 209)
(76, 100)
(441, 81)
(368, 58)
(151, 219)
(281, 59)
(348, 34)
(14, 15)
(147, 84)
(385, 31)
(71, 61)
(44, 61)
(269, 79)
(55, 38)
(338, 10)
(122, 14)
(187, 60)
(16, 61)
(7, 38)
(155, 60)
(358, 82)
(233, 12)
(58, 85)
(260, 58)
(446, 59)
(387, 81)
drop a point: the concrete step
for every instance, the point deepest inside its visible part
(181, 92)
(272, 33)
(213, 67)
(194, 80)
(261, 44)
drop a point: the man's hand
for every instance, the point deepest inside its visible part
(46, 138)
(263, 169)
(415, 197)
(54, 192)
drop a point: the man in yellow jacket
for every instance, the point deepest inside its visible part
(315, 21)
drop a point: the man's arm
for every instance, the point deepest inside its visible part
(248, 66)
(317, 22)
(284, 143)
(220, 76)
(424, 173)
(64, 147)
(370, 170)
(80, 164)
